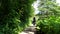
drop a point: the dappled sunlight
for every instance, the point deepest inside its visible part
(31, 25)
(35, 5)
(31, 33)
(29, 30)
(23, 33)
(27, 33)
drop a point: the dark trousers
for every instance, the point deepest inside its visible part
(33, 23)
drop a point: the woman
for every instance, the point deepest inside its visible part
(34, 21)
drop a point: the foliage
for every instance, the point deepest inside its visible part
(48, 21)
(14, 15)
(49, 26)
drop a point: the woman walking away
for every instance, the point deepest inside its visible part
(34, 21)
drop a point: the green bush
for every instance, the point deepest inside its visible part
(49, 25)
(14, 15)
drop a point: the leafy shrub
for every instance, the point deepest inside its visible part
(49, 25)
(14, 15)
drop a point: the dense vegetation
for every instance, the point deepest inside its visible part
(49, 17)
(15, 15)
